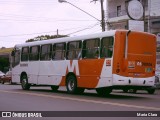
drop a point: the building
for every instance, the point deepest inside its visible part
(118, 18)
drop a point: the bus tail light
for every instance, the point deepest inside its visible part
(118, 66)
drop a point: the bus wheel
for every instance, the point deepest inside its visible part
(103, 91)
(71, 84)
(54, 87)
(151, 91)
(24, 83)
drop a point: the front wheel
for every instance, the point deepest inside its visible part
(24, 83)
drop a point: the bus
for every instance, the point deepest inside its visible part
(157, 73)
(116, 59)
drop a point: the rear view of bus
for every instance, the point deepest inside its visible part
(134, 61)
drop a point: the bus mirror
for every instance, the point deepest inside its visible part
(12, 53)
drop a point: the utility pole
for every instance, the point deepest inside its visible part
(144, 15)
(102, 15)
(57, 33)
(102, 21)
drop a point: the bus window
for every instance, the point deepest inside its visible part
(24, 54)
(59, 51)
(34, 53)
(74, 50)
(91, 48)
(107, 47)
(15, 58)
(45, 52)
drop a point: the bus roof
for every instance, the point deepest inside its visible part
(67, 39)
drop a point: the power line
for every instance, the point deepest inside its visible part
(23, 18)
(29, 2)
(16, 35)
(90, 27)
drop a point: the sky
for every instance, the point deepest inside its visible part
(21, 20)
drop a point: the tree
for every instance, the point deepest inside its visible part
(4, 64)
(45, 37)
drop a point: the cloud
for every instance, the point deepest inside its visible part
(18, 17)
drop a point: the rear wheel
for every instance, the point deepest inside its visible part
(54, 87)
(103, 91)
(24, 83)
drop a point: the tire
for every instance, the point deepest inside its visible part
(54, 87)
(71, 84)
(151, 91)
(103, 91)
(24, 83)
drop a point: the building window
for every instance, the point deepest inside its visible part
(119, 12)
(126, 4)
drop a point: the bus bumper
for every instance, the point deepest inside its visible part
(131, 81)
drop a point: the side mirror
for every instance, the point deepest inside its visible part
(12, 53)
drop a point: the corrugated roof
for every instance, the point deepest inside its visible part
(5, 51)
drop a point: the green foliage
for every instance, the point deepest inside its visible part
(45, 37)
(4, 64)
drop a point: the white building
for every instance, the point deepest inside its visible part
(118, 18)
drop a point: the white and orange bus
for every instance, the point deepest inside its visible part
(117, 59)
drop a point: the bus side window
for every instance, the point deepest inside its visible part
(91, 48)
(45, 52)
(107, 47)
(24, 54)
(59, 51)
(74, 50)
(15, 58)
(34, 53)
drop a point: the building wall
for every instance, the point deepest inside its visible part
(152, 15)
(112, 7)
(155, 8)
